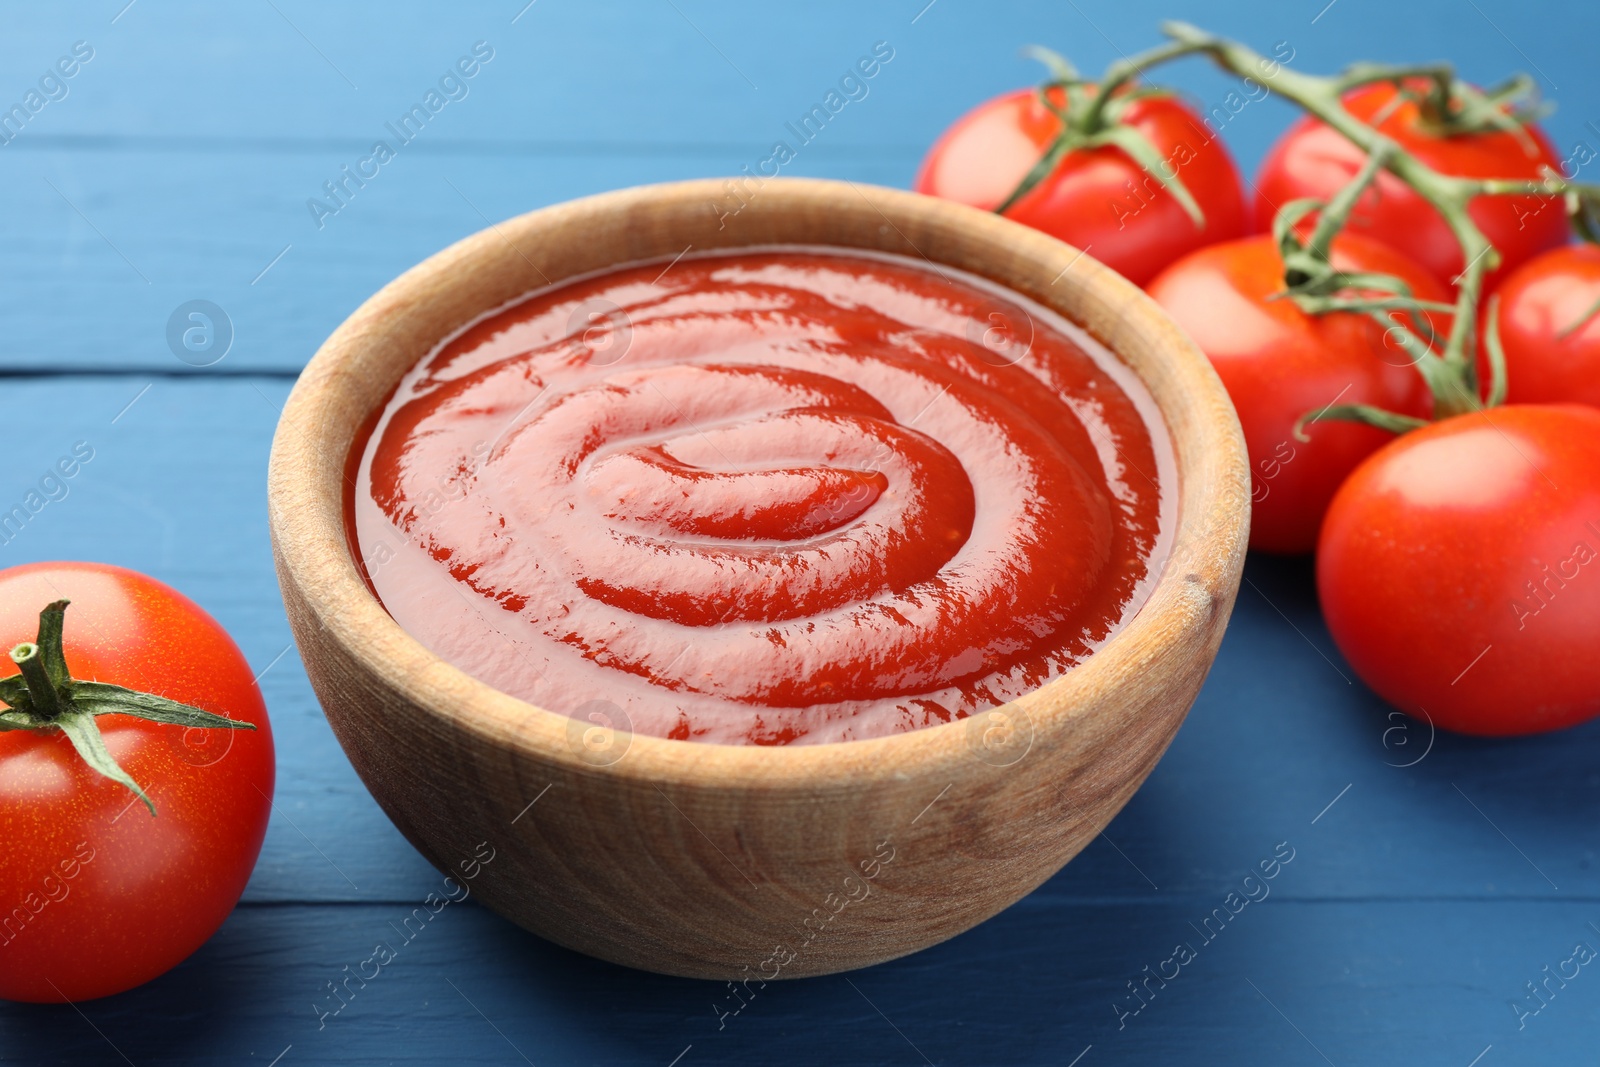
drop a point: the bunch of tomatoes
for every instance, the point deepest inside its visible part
(1454, 533)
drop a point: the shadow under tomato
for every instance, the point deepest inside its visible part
(1552, 776)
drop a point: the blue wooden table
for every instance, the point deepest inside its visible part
(1431, 880)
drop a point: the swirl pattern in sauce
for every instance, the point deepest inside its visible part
(765, 497)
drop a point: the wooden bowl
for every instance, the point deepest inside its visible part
(735, 862)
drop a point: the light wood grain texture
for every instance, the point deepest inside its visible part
(705, 860)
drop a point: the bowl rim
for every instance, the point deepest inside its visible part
(312, 545)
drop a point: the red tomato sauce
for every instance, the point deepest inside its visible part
(766, 497)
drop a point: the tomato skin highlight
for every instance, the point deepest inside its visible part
(1280, 363)
(1312, 159)
(1459, 570)
(96, 895)
(1100, 199)
(1547, 361)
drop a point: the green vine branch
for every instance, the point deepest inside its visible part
(1454, 376)
(1448, 103)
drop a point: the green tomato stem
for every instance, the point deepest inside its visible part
(40, 689)
(1093, 118)
(1449, 107)
(49, 699)
(1453, 377)
(1359, 74)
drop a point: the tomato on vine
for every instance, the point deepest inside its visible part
(1459, 570)
(1451, 563)
(1299, 324)
(1280, 362)
(136, 775)
(1131, 175)
(1549, 326)
(1454, 130)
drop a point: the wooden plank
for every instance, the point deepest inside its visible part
(149, 189)
(695, 71)
(116, 225)
(619, 73)
(1283, 982)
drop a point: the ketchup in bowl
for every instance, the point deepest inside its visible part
(776, 496)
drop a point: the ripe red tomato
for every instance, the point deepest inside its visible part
(1280, 363)
(96, 895)
(1098, 199)
(1547, 359)
(1458, 570)
(1313, 160)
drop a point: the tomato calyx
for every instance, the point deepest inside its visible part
(45, 697)
(1449, 368)
(1317, 287)
(1450, 107)
(1095, 116)
(1312, 281)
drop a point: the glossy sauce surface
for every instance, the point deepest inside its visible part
(764, 497)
